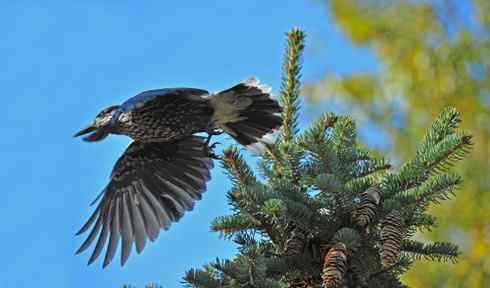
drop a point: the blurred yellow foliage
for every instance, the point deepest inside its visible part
(433, 54)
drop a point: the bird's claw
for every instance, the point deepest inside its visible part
(214, 156)
(212, 133)
(210, 152)
(212, 146)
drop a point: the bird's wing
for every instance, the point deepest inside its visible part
(164, 96)
(152, 185)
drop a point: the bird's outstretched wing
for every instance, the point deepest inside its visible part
(162, 97)
(152, 185)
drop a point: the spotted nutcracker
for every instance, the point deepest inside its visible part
(164, 170)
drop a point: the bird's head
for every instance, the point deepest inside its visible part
(100, 128)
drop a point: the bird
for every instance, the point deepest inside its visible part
(164, 170)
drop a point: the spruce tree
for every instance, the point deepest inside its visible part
(324, 211)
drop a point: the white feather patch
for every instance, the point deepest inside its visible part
(258, 148)
(254, 82)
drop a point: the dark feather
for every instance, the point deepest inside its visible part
(91, 236)
(102, 237)
(151, 222)
(138, 223)
(90, 221)
(114, 234)
(127, 231)
(152, 185)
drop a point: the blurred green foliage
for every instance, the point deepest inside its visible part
(433, 54)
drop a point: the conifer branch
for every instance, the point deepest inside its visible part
(200, 278)
(420, 220)
(439, 150)
(370, 166)
(357, 185)
(438, 251)
(315, 135)
(444, 125)
(276, 159)
(401, 263)
(290, 89)
(230, 224)
(449, 150)
(290, 86)
(240, 173)
(409, 176)
(322, 213)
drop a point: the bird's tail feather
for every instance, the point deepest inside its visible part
(247, 113)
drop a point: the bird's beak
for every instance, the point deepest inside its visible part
(98, 134)
(84, 131)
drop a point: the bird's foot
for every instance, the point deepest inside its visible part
(212, 133)
(210, 153)
(212, 146)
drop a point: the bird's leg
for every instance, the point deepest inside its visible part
(211, 153)
(212, 133)
(209, 148)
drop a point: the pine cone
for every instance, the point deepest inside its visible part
(308, 282)
(295, 244)
(366, 212)
(297, 283)
(334, 266)
(392, 233)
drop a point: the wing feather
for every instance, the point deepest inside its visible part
(163, 217)
(90, 221)
(114, 234)
(152, 226)
(137, 223)
(91, 236)
(126, 229)
(152, 185)
(102, 236)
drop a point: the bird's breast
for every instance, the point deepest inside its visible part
(164, 119)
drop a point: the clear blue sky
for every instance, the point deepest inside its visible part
(63, 61)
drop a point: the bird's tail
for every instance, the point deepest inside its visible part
(247, 113)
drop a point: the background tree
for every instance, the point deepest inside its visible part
(432, 53)
(325, 212)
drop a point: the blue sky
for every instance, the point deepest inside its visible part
(63, 61)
